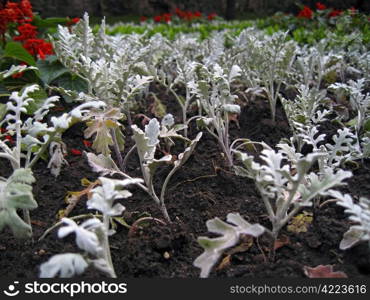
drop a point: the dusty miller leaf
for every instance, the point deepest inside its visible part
(214, 247)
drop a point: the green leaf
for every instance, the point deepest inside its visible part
(16, 51)
(367, 125)
(39, 96)
(50, 70)
(69, 82)
(4, 92)
(16, 193)
(2, 110)
(49, 22)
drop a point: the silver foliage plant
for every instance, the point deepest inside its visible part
(359, 214)
(283, 192)
(213, 89)
(32, 138)
(266, 63)
(112, 68)
(92, 236)
(146, 144)
(102, 61)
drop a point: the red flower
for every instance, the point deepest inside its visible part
(87, 143)
(75, 20)
(180, 13)
(38, 47)
(9, 138)
(20, 74)
(143, 19)
(320, 6)
(198, 14)
(166, 18)
(72, 21)
(76, 152)
(26, 31)
(26, 8)
(157, 19)
(305, 13)
(189, 15)
(212, 16)
(335, 13)
(15, 12)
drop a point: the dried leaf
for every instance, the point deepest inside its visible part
(225, 263)
(246, 244)
(322, 271)
(300, 223)
(281, 242)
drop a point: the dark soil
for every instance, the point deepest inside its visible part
(203, 189)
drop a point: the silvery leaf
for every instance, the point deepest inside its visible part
(63, 265)
(230, 235)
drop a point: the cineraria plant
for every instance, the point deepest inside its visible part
(213, 90)
(32, 139)
(315, 64)
(92, 236)
(102, 61)
(146, 143)
(359, 101)
(359, 214)
(285, 182)
(267, 62)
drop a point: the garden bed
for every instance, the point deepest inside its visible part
(203, 189)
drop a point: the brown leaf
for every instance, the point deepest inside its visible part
(246, 244)
(224, 263)
(322, 271)
(281, 242)
(234, 118)
(38, 223)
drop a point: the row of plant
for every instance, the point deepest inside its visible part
(308, 26)
(328, 80)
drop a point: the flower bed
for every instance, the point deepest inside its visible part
(242, 154)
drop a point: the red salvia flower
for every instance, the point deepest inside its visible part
(76, 152)
(9, 138)
(166, 18)
(305, 13)
(26, 31)
(157, 19)
(320, 6)
(87, 143)
(26, 8)
(38, 47)
(72, 21)
(212, 16)
(180, 13)
(335, 13)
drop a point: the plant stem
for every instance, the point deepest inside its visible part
(27, 218)
(42, 150)
(127, 157)
(116, 150)
(107, 253)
